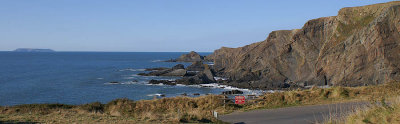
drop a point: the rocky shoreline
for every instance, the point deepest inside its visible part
(344, 50)
(200, 72)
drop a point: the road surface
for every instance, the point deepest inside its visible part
(292, 115)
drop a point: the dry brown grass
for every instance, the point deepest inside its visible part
(382, 112)
(187, 109)
(384, 107)
(377, 114)
(324, 96)
(166, 110)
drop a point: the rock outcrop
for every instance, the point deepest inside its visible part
(204, 77)
(199, 73)
(196, 66)
(165, 82)
(190, 57)
(359, 46)
(232, 92)
(177, 70)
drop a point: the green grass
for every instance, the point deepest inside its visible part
(345, 30)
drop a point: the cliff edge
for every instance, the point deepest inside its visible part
(359, 46)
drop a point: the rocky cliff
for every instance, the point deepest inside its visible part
(359, 46)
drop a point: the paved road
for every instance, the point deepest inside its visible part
(291, 115)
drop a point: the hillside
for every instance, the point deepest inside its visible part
(359, 46)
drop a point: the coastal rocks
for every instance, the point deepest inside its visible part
(156, 73)
(177, 70)
(165, 82)
(178, 66)
(357, 47)
(114, 82)
(196, 67)
(156, 69)
(203, 77)
(203, 74)
(232, 92)
(190, 57)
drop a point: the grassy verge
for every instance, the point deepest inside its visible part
(377, 114)
(380, 112)
(186, 109)
(324, 96)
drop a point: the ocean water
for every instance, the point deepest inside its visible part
(83, 77)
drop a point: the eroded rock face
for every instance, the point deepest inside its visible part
(196, 66)
(359, 46)
(204, 77)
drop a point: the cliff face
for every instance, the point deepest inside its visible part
(359, 46)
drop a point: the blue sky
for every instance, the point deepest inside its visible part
(153, 25)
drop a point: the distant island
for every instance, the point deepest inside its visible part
(33, 50)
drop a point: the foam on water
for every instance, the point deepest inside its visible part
(220, 78)
(131, 69)
(156, 94)
(157, 60)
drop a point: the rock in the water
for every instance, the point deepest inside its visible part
(156, 73)
(204, 77)
(114, 82)
(191, 57)
(156, 69)
(177, 72)
(233, 92)
(165, 82)
(196, 94)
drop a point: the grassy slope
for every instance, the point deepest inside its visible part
(376, 114)
(379, 112)
(185, 109)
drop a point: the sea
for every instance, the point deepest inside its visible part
(84, 77)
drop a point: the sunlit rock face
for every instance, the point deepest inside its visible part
(359, 46)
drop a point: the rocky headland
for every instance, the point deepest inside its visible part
(359, 46)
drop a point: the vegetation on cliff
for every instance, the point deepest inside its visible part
(357, 47)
